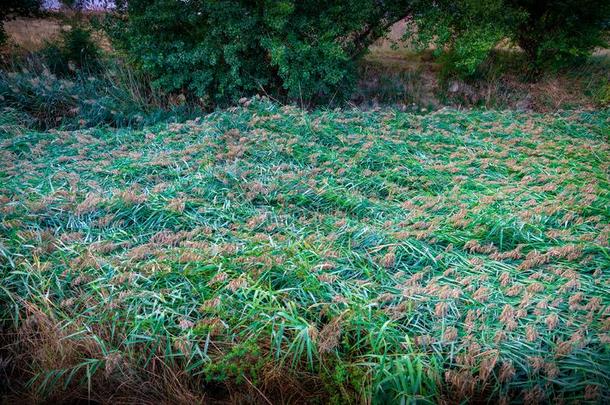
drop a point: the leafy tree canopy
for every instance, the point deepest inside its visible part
(550, 32)
(223, 49)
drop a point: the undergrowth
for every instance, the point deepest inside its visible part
(416, 80)
(268, 254)
(113, 95)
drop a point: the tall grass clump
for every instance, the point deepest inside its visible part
(112, 95)
(72, 83)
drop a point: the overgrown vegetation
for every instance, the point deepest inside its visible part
(271, 254)
(311, 53)
(268, 253)
(213, 53)
(73, 98)
(48, 90)
(72, 83)
(551, 33)
(74, 52)
(220, 51)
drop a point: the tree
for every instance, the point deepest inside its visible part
(224, 49)
(552, 33)
(556, 32)
(17, 8)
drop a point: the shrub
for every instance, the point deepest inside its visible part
(75, 50)
(222, 50)
(552, 33)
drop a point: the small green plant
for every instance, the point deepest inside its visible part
(75, 50)
(80, 48)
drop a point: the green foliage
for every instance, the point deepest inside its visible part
(558, 32)
(222, 50)
(16, 8)
(114, 96)
(551, 33)
(243, 360)
(75, 50)
(466, 29)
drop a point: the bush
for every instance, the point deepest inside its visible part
(223, 50)
(75, 50)
(552, 34)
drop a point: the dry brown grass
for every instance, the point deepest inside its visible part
(31, 34)
(41, 343)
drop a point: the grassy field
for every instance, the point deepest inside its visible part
(264, 254)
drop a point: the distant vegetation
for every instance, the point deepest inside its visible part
(307, 50)
(221, 51)
(213, 53)
(551, 33)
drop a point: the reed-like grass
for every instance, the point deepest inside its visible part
(267, 254)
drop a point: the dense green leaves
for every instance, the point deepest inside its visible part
(551, 33)
(556, 32)
(222, 50)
